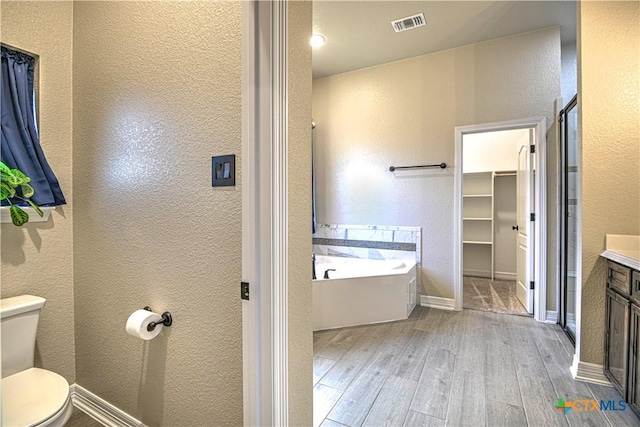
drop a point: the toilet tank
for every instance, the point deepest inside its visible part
(19, 326)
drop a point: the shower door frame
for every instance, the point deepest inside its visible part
(563, 223)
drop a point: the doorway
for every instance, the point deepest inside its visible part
(476, 222)
(496, 193)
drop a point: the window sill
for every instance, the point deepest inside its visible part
(5, 215)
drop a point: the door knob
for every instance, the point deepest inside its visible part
(515, 227)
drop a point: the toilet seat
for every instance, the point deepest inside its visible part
(35, 397)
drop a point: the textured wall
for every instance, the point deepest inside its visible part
(404, 113)
(553, 231)
(569, 86)
(492, 151)
(505, 210)
(38, 258)
(609, 102)
(157, 92)
(299, 199)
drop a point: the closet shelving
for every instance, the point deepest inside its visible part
(477, 215)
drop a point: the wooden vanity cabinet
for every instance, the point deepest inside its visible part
(633, 389)
(622, 332)
(616, 354)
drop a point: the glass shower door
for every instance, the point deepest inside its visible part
(569, 226)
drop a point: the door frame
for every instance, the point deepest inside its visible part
(540, 226)
(264, 212)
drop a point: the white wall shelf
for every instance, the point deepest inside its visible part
(477, 227)
(5, 215)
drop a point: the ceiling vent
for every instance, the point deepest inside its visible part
(409, 23)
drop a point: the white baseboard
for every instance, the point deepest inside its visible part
(588, 372)
(437, 302)
(101, 410)
(498, 275)
(476, 273)
(503, 275)
(551, 317)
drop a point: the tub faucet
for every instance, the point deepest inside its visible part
(326, 272)
(313, 259)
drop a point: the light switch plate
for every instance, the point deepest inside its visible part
(223, 171)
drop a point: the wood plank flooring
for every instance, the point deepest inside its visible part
(442, 368)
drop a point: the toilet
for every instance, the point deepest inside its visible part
(30, 396)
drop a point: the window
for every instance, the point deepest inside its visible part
(19, 137)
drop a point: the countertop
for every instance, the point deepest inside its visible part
(623, 249)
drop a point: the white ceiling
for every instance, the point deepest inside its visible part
(359, 33)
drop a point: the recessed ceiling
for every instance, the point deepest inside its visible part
(359, 33)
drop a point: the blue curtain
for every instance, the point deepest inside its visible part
(20, 143)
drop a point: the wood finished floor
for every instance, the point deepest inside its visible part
(444, 368)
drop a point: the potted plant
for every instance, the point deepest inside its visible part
(15, 188)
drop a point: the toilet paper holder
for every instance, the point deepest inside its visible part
(167, 320)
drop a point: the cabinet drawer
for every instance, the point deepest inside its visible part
(635, 286)
(619, 277)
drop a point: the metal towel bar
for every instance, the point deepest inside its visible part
(440, 165)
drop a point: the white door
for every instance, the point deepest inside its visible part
(525, 207)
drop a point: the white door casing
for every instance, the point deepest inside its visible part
(264, 213)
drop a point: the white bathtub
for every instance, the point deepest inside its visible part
(362, 291)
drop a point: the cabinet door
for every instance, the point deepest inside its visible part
(635, 287)
(634, 361)
(617, 341)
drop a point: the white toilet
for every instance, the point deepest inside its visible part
(30, 396)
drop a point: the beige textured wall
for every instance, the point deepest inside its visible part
(569, 72)
(38, 258)
(157, 92)
(299, 198)
(609, 106)
(404, 113)
(505, 216)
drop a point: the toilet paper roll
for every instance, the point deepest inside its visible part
(139, 320)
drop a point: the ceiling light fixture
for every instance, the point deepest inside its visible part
(317, 40)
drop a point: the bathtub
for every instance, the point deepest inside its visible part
(362, 291)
